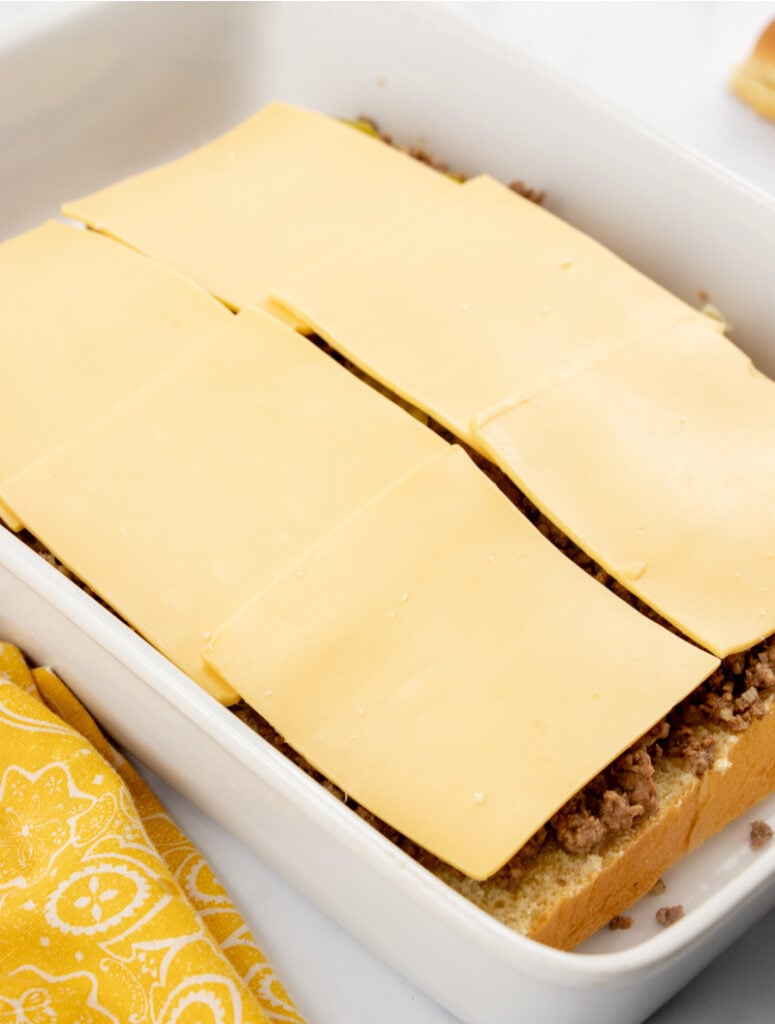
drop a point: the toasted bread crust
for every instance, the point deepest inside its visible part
(624, 878)
(754, 80)
(740, 779)
(764, 50)
(564, 898)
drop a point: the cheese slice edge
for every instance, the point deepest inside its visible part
(433, 652)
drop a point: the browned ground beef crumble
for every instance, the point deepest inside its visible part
(620, 923)
(669, 915)
(761, 833)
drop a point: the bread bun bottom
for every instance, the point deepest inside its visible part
(754, 80)
(564, 898)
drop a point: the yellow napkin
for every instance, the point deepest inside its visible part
(108, 914)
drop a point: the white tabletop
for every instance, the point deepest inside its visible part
(667, 64)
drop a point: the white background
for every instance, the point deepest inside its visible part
(667, 64)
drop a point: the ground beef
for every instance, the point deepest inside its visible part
(576, 828)
(633, 773)
(620, 923)
(697, 749)
(761, 673)
(735, 694)
(617, 814)
(655, 735)
(612, 803)
(519, 863)
(761, 833)
(534, 195)
(669, 915)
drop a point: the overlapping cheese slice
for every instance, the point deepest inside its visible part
(660, 462)
(285, 186)
(188, 497)
(486, 302)
(84, 323)
(445, 665)
(480, 296)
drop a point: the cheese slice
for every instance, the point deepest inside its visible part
(283, 187)
(450, 669)
(84, 323)
(660, 463)
(480, 296)
(195, 491)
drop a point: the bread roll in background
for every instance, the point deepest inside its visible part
(754, 81)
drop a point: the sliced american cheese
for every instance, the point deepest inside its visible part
(660, 463)
(284, 187)
(449, 668)
(194, 492)
(84, 323)
(480, 296)
(10, 520)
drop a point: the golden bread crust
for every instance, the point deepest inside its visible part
(740, 778)
(564, 898)
(764, 50)
(754, 80)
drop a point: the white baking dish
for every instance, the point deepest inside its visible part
(128, 85)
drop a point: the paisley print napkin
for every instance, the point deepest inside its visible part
(108, 914)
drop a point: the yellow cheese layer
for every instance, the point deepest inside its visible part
(660, 463)
(480, 296)
(194, 492)
(284, 187)
(84, 323)
(445, 665)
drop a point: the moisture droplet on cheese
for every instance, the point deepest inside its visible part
(479, 797)
(634, 570)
